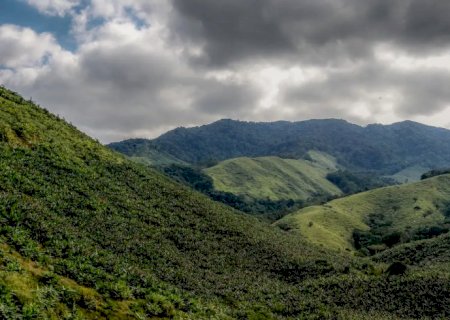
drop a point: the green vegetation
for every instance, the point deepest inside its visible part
(198, 180)
(143, 153)
(382, 149)
(434, 173)
(87, 234)
(274, 178)
(380, 218)
(410, 174)
(354, 182)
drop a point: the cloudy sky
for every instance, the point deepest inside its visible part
(136, 68)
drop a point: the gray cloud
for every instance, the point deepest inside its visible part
(133, 89)
(314, 31)
(409, 92)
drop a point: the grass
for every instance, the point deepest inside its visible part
(274, 178)
(404, 207)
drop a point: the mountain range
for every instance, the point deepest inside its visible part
(385, 149)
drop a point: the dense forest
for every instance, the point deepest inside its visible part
(385, 149)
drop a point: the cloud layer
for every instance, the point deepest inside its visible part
(143, 67)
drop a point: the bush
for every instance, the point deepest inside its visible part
(396, 269)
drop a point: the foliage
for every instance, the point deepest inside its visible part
(354, 182)
(198, 180)
(383, 149)
(85, 233)
(434, 173)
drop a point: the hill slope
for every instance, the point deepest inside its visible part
(143, 242)
(400, 211)
(387, 149)
(274, 178)
(139, 151)
(85, 233)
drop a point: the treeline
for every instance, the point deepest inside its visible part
(434, 173)
(381, 237)
(270, 209)
(354, 182)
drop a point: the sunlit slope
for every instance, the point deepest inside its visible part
(275, 178)
(407, 206)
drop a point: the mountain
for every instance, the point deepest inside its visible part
(386, 149)
(87, 234)
(377, 219)
(274, 178)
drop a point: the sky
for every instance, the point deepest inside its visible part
(119, 69)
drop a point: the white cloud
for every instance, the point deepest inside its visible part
(53, 7)
(22, 47)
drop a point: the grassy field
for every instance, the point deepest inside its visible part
(275, 178)
(403, 207)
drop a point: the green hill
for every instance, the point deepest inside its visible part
(87, 234)
(274, 178)
(402, 212)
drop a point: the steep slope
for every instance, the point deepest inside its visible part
(274, 178)
(85, 233)
(387, 149)
(146, 244)
(398, 211)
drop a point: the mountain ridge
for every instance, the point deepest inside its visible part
(386, 149)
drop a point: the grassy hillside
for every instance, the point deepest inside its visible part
(146, 245)
(274, 178)
(87, 234)
(398, 209)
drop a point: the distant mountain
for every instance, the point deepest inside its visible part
(386, 149)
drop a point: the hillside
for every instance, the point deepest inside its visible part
(139, 243)
(274, 178)
(386, 149)
(139, 151)
(87, 234)
(381, 218)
